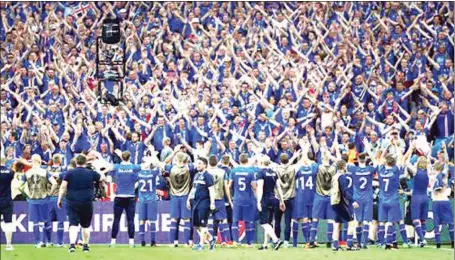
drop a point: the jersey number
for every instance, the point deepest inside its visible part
(349, 181)
(242, 184)
(308, 184)
(363, 183)
(386, 183)
(143, 185)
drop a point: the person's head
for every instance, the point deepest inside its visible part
(126, 156)
(167, 141)
(265, 161)
(57, 159)
(373, 135)
(284, 158)
(244, 158)
(362, 158)
(444, 107)
(328, 130)
(81, 160)
(422, 163)
(213, 161)
(36, 160)
(181, 158)
(390, 160)
(438, 166)
(225, 160)
(135, 137)
(341, 165)
(160, 121)
(201, 164)
(345, 137)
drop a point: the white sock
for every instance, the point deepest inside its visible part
(8, 233)
(86, 235)
(131, 241)
(113, 241)
(269, 230)
(74, 230)
(176, 242)
(41, 227)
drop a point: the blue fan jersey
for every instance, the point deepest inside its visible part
(363, 182)
(305, 187)
(125, 176)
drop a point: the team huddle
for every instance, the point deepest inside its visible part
(212, 196)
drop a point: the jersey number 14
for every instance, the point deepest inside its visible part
(301, 184)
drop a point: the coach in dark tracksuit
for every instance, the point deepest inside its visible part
(78, 184)
(267, 181)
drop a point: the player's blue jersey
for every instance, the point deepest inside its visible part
(305, 187)
(270, 178)
(346, 190)
(420, 183)
(363, 182)
(349, 176)
(148, 182)
(242, 178)
(125, 176)
(389, 183)
(439, 182)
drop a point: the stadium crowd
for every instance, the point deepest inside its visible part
(230, 79)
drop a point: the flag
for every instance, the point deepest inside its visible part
(81, 9)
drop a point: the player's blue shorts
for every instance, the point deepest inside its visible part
(322, 208)
(442, 213)
(365, 211)
(300, 210)
(343, 213)
(148, 210)
(269, 205)
(220, 214)
(178, 207)
(390, 211)
(6, 210)
(80, 212)
(200, 213)
(419, 207)
(54, 213)
(38, 210)
(244, 212)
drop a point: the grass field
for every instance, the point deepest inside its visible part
(27, 252)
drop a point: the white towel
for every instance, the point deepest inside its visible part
(335, 194)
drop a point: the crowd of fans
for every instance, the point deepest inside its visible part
(229, 78)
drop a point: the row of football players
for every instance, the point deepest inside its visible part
(306, 188)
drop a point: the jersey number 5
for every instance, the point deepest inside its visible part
(242, 184)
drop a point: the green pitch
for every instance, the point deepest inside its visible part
(27, 252)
